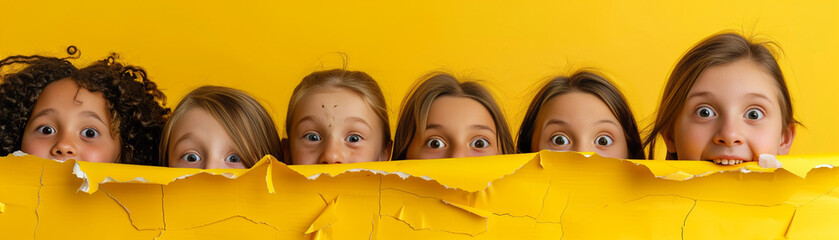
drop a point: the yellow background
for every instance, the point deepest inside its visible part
(266, 47)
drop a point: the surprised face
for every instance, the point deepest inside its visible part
(70, 122)
(334, 126)
(732, 114)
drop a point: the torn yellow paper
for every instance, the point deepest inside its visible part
(543, 195)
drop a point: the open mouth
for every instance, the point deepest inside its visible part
(727, 162)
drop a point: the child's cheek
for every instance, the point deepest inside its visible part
(365, 153)
(101, 153)
(38, 147)
(762, 141)
(304, 155)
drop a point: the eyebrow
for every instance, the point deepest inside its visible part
(609, 122)
(48, 111)
(358, 120)
(183, 138)
(304, 119)
(93, 115)
(560, 122)
(698, 94)
(476, 126)
(556, 122)
(759, 95)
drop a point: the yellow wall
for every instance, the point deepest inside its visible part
(266, 47)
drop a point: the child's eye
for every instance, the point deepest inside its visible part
(90, 133)
(705, 112)
(191, 157)
(560, 140)
(479, 143)
(46, 130)
(234, 158)
(353, 138)
(604, 140)
(754, 114)
(435, 143)
(314, 137)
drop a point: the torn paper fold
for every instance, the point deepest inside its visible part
(541, 195)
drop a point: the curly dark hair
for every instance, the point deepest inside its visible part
(136, 104)
(20, 90)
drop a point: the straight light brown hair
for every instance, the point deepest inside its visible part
(417, 104)
(247, 123)
(715, 50)
(356, 81)
(586, 82)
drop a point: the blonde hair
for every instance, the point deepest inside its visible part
(417, 104)
(356, 81)
(715, 50)
(247, 123)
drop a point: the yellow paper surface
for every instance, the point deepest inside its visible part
(543, 195)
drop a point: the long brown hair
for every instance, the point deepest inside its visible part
(587, 82)
(247, 123)
(356, 81)
(417, 104)
(715, 50)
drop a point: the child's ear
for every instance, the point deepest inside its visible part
(286, 151)
(668, 141)
(386, 152)
(786, 139)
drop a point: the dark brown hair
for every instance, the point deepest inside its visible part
(587, 82)
(245, 120)
(417, 104)
(20, 90)
(134, 102)
(715, 50)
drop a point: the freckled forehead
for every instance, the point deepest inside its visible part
(337, 102)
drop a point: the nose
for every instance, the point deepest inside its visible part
(214, 163)
(728, 133)
(65, 147)
(459, 151)
(333, 153)
(582, 147)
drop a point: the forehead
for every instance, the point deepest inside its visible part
(736, 79)
(575, 108)
(202, 124)
(65, 96)
(333, 102)
(459, 112)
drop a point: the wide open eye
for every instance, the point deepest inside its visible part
(191, 157)
(90, 133)
(560, 140)
(603, 140)
(754, 114)
(705, 112)
(46, 130)
(314, 137)
(435, 143)
(479, 143)
(353, 138)
(234, 158)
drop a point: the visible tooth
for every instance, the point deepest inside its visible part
(724, 162)
(717, 161)
(739, 161)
